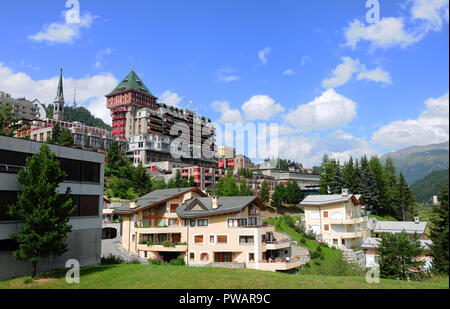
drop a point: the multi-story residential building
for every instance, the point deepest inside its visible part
(85, 171)
(206, 231)
(336, 219)
(226, 152)
(23, 109)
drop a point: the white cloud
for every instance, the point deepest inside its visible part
(376, 75)
(345, 71)
(327, 111)
(432, 126)
(62, 32)
(100, 55)
(432, 12)
(228, 115)
(388, 32)
(342, 73)
(90, 90)
(261, 107)
(170, 98)
(262, 55)
(289, 72)
(226, 75)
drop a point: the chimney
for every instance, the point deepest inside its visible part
(416, 220)
(215, 202)
(344, 192)
(133, 204)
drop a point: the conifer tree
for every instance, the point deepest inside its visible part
(278, 195)
(65, 138)
(142, 183)
(326, 174)
(439, 233)
(45, 213)
(368, 186)
(264, 192)
(404, 200)
(294, 194)
(383, 206)
(337, 181)
(350, 177)
(227, 185)
(8, 123)
(244, 189)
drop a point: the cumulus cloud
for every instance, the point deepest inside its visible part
(90, 90)
(327, 111)
(63, 32)
(261, 107)
(228, 115)
(432, 12)
(345, 71)
(262, 55)
(432, 126)
(170, 98)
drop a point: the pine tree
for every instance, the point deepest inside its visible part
(398, 255)
(278, 195)
(227, 185)
(350, 177)
(383, 206)
(264, 192)
(65, 138)
(326, 174)
(439, 233)
(56, 135)
(142, 183)
(294, 194)
(114, 160)
(337, 181)
(391, 184)
(368, 186)
(44, 212)
(404, 200)
(244, 189)
(192, 182)
(8, 123)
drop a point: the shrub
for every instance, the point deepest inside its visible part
(319, 249)
(156, 261)
(111, 259)
(179, 261)
(28, 280)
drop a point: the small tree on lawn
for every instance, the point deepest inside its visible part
(45, 213)
(397, 255)
(142, 182)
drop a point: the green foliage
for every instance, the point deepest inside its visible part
(404, 200)
(337, 180)
(227, 185)
(284, 164)
(178, 181)
(111, 259)
(245, 172)
(179, 261)
(157, 261)
(79, 114)
(425, 188)
(264, 192)
(142, 183)
(294, 194)
(278, 195)
(331, 267)
(44, 212)
(244, 189)
(8, 123)
(61, 137)
(158, 184)
(439, 233)
(397, 256)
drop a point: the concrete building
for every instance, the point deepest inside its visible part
(206, 231)
(336, 219)
(85, 178)
(24, 109)
(226, 152)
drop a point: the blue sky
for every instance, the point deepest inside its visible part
(332, 81)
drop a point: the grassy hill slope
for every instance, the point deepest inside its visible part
(137, 276)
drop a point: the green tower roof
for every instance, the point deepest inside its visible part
(132, 82)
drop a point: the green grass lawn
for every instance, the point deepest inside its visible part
(137, 276)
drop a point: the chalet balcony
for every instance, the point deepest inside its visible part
(345, 221)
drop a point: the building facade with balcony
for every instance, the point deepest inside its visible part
(206, 231)
(336, 219)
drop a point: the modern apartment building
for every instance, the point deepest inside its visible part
(22, 108)
(206, 231)
(336, 219)
(85, 171)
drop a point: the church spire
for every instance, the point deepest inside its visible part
(58, 112)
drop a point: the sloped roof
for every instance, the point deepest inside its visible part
(398, 226)
(372, 242)
(132, 81)
(227, 204)
(318, 200)
(154, 198)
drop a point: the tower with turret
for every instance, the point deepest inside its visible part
(58, 111)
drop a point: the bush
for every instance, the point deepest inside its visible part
(319, 249)
(111, 259)
(179, 261)
(156, 261)
(334, 267)
(27, 280)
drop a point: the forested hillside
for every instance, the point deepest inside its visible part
(79, 114)
(425, 188)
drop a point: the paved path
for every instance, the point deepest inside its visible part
(112, 246)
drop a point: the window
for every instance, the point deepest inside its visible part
(198, 239)
(173, 221)
(327, 227)
(335, 242)
(8, 245)
(90, 172)
(211, 239)
(202, 222)
(222, 239)
(204, 257)
(251, 257)
(252, 221)
(13, 158)
(325, 214)
(89, 205)
(192, 223)
(7, 198)
(173, 208)
(245, 240)
(343, 241)
(192, 256)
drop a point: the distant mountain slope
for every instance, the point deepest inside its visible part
(425, 188)
(79, 114)
(418, 161)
